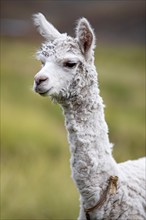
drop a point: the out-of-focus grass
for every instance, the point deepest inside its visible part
(122, 83)
(35, 172)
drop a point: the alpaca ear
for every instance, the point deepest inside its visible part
(46, 29)
(85, 37)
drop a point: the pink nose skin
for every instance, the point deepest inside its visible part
(40, 79)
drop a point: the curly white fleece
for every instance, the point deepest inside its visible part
(76, 90)
(92, 162)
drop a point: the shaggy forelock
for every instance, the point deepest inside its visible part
(59, 47)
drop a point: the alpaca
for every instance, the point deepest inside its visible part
(108, 190)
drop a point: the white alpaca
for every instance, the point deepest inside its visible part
(107, 190)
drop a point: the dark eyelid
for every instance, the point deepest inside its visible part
(69, 63)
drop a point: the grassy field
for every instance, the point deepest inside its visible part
(35, 171)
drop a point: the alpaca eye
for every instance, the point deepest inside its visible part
(69, 64)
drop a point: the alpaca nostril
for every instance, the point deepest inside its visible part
(41, 79)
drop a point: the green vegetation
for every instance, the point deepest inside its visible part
(35, 171)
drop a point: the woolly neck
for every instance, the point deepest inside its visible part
(91, 158)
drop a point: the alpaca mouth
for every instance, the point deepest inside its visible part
(43, 93)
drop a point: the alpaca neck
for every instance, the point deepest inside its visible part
(91, 159)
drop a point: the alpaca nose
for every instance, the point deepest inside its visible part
(40, 79)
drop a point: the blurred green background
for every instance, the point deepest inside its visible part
(35, 171)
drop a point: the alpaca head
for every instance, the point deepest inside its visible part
(65, 60)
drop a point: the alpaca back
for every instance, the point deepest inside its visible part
(133, 184)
